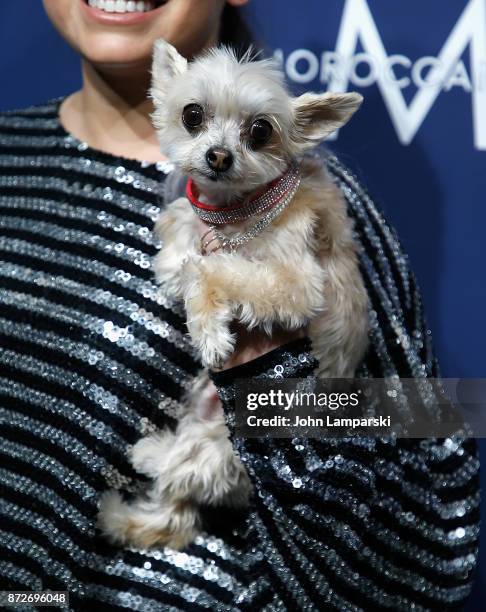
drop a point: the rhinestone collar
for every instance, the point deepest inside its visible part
(214, 239)
(271, 195)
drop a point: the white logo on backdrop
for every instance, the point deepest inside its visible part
(430, 74)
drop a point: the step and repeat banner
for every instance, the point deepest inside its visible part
(418, 142)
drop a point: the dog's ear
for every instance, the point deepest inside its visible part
(318, 115)
(167, 63)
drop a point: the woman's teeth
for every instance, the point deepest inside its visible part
(122, 6)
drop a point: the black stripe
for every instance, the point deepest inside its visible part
(111, 453)
(79, 176)
(13, 130)
(17, 314)
(82, 250)
(75, 201)
(81, 225)
(115, 385)
(96, 281)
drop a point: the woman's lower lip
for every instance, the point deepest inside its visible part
(100, 16)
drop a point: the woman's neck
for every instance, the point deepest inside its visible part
(112, 113)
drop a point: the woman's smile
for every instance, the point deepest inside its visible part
(122, 12)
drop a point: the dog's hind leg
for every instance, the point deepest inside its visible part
(192, 466)
(196, 462)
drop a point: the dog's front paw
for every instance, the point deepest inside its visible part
(216, 348)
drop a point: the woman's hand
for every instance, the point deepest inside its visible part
(249, 345)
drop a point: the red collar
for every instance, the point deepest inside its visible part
(269, 196)
(192, 194)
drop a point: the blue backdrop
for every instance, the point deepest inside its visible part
(419, 141)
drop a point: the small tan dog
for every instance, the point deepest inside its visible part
(279, 251)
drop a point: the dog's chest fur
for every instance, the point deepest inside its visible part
(302, 270)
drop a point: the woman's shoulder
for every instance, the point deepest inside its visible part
(400, 339)
(378, 239)
(19, 124)
(363, 208)
(44, 110)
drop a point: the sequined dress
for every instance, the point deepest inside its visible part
(93, 355)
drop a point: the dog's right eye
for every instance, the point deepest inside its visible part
(192, 116)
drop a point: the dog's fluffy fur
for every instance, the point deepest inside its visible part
(302, 270)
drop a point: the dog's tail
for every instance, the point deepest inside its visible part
(148, 522)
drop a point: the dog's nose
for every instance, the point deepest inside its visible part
(219, 159)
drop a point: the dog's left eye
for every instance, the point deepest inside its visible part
(260, 132)
(192, 115)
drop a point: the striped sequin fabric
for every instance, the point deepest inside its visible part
(93, 355)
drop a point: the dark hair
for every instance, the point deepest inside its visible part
(234, 30)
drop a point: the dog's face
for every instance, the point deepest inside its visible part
(232, 125)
